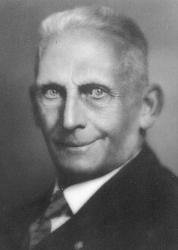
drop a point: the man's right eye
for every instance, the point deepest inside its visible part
(51, 93)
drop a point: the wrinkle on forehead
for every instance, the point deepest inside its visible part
(93, 51)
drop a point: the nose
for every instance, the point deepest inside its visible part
(73, 114)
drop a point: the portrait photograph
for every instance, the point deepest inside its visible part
(89, 125)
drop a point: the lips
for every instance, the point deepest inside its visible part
(71, 144)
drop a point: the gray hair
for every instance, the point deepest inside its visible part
(134, 52)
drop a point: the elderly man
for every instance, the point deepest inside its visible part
(93, 102)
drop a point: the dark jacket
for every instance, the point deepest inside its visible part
(136, 210)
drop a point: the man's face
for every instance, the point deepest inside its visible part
(88, 116)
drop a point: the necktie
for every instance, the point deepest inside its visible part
(42, 226)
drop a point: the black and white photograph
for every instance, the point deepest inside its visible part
(88, 125)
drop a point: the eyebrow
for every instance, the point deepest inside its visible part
(48, 85)
(93, 85)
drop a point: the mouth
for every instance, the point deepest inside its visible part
(74, 147)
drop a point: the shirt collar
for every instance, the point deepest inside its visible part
(77, 195)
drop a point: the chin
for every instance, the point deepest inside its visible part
(79, 170)
(75, 166)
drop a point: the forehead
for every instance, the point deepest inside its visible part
(79, 52)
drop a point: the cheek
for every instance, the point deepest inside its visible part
(48, 117)
(116, 122)
(109, 120)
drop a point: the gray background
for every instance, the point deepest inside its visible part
(25, 164)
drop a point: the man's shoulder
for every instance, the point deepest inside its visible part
(145, 202)
(147, 179)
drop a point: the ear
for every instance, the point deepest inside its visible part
(151, 106)
(35, 108)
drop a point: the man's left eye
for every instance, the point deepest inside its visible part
(97, 93)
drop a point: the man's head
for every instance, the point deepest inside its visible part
(92, 99)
